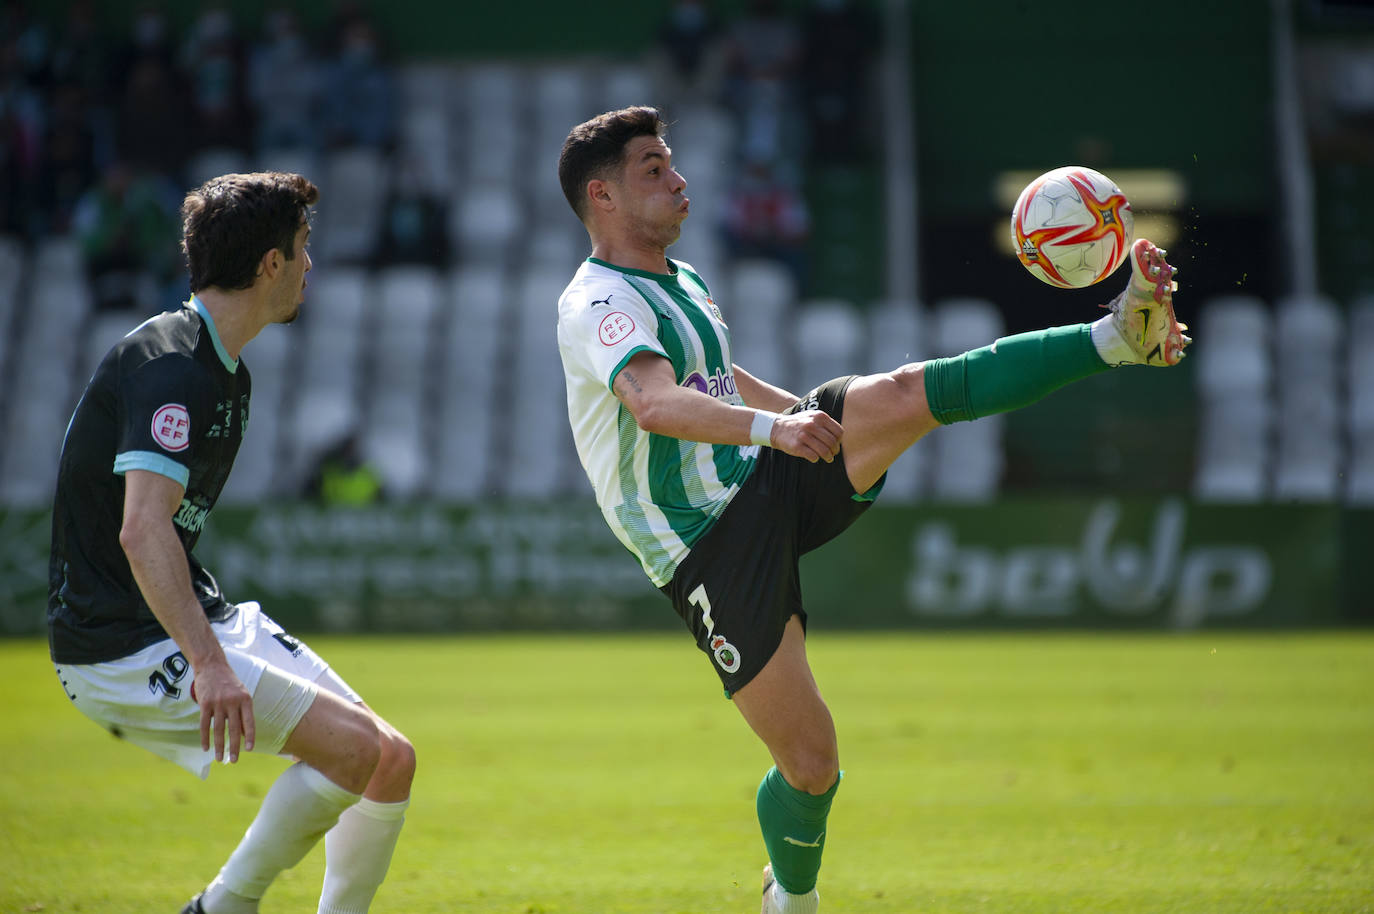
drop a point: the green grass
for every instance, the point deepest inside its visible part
(604, 774)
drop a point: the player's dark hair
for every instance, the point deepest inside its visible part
(230, 222)
(597, 147)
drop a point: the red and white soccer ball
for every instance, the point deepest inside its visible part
(1072, 227)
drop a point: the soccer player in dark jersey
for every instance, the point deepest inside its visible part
(143, 641)
(718, 481)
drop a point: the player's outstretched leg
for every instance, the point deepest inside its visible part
(1144, 312)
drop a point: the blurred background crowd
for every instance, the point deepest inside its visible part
(424, 364)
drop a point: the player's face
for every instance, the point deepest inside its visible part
(654, 204)
(293, 278)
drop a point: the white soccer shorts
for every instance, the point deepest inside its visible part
(145, 697)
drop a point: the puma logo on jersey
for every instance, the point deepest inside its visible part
(602, 301)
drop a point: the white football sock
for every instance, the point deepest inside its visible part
(299, 808)
(786, 903)
(1111, 345)
(357, 852)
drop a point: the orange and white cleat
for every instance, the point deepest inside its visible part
(1144, 311)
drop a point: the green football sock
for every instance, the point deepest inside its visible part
(1013, 372)
(793, 824)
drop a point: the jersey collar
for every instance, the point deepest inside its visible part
(645, 273)
(231, 365)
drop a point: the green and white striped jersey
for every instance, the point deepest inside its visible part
(659, 494)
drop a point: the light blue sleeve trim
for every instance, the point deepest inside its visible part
(154, 463)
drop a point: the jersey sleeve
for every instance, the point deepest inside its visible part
(163, 407)
(606, 332)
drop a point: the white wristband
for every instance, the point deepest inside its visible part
(761, 429)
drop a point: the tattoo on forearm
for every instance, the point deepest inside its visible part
(628, 380)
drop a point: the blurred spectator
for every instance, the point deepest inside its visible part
(213, 60)
(688, 53)
(284, 85)
(763, 56)
(128, 228)
(149, 36)
(151, 120)
(31, 43)
(22, 120)
(80, 56)
(414, 222)
(68, 165)
(358, 93)
(767, 216)
(342, 477)
(841, 41)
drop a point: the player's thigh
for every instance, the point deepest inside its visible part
(147, 699)
(884, 414)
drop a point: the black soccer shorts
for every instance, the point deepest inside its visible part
(741, 582)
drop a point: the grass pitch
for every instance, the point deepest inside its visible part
(605, 774)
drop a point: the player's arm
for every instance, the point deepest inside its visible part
(649, 390)
(158, 562)
(760, 394)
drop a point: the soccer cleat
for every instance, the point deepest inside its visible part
(193, 906)
(1144, 312)
(795, 904)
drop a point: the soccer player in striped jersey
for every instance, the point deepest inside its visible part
(718, 481)
(143, 641)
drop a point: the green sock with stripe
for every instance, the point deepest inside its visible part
(793, 824)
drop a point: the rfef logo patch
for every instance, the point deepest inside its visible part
(615, 327)
(172, 427)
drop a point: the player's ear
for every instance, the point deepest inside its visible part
(271, 263)
(599, 194)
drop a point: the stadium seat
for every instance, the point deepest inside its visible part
(622, 86)
(967, 460)
(43, 389)
(1238, 355)
(58, 255)
(894, 337)
(540, 450)
(213, 162)
(472, 342)
(830, 339)
(490, 127)
(486, 224)
(323, 404)
(961, 324)
(13, 268)
(351, 232)
(1234, 448)
(394, 442)
(102, 331)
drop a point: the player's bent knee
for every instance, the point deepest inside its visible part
(811, 772)
(397, 762)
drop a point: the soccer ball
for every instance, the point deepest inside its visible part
(1072, 227)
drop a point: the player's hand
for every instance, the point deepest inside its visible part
(811, 435)
(226, 710)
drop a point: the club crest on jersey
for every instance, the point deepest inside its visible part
(726, 654)
(172, 427)
(714, 309)
(615, 328)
